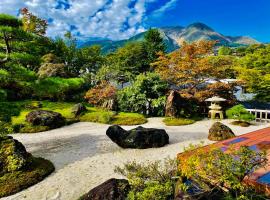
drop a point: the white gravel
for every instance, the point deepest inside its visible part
(85, 157)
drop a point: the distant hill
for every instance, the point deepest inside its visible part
(173, 35)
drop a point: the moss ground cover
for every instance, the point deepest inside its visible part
(128, 119)
(170, 121)
(97, 115)
(13, 182)
(241, 123)
(93, 114)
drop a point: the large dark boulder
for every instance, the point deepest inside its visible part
(13, 155)
(78, 109)
(45, 118)
(138, 138)
(112, 189)
(219, 132)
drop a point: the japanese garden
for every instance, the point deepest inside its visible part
(164, 115)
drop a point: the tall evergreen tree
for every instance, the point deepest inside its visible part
(154, 44)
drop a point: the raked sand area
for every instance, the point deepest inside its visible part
(85, 157)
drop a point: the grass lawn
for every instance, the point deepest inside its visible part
(91, 115)
(170, 121)
(128, 119)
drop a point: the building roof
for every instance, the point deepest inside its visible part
(258, 141)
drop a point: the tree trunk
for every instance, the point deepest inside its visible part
(8, 50)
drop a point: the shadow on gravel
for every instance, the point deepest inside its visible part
(69, 150)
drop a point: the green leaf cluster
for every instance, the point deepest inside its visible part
(239, 113)
(151, 180)
(146, 95)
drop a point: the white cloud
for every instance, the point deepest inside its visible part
(169, 5)
(100, 18)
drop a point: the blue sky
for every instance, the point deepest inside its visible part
(120, 19)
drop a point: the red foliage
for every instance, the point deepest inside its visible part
(32, 23)
(101, 93)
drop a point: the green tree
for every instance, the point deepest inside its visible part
(9, 30)
(20, 46)
(88, 60)
(133, 58)
(78, 61)
(146, 95)
(254, 70)
(127, 62)
(225, 51)
(32, 23)
(191, 66)
(154, 44)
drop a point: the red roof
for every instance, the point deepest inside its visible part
(257, 140)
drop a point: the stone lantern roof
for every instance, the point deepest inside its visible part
(215, 99)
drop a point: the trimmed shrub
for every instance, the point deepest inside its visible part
(7, 110)
(239, 113)
(52, 70)
(151, 180)
(3, 95)
(56, 88)
(50, 58)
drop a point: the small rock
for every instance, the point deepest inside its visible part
(112, 189)
(45, 118)
(138, 138)
(219, 132)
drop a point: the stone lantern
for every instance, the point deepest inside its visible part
(215, 108)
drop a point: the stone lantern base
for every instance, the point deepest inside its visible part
(214, 113)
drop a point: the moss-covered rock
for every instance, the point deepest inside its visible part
(13, 155)
(219, 132)
(36, 171)
(18, 168)
(45, 118)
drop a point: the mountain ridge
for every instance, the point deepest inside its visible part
(173, 35)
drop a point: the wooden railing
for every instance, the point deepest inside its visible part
(261, 115)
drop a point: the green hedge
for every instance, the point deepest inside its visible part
(56, 88)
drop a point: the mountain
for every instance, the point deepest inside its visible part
(173, 36)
